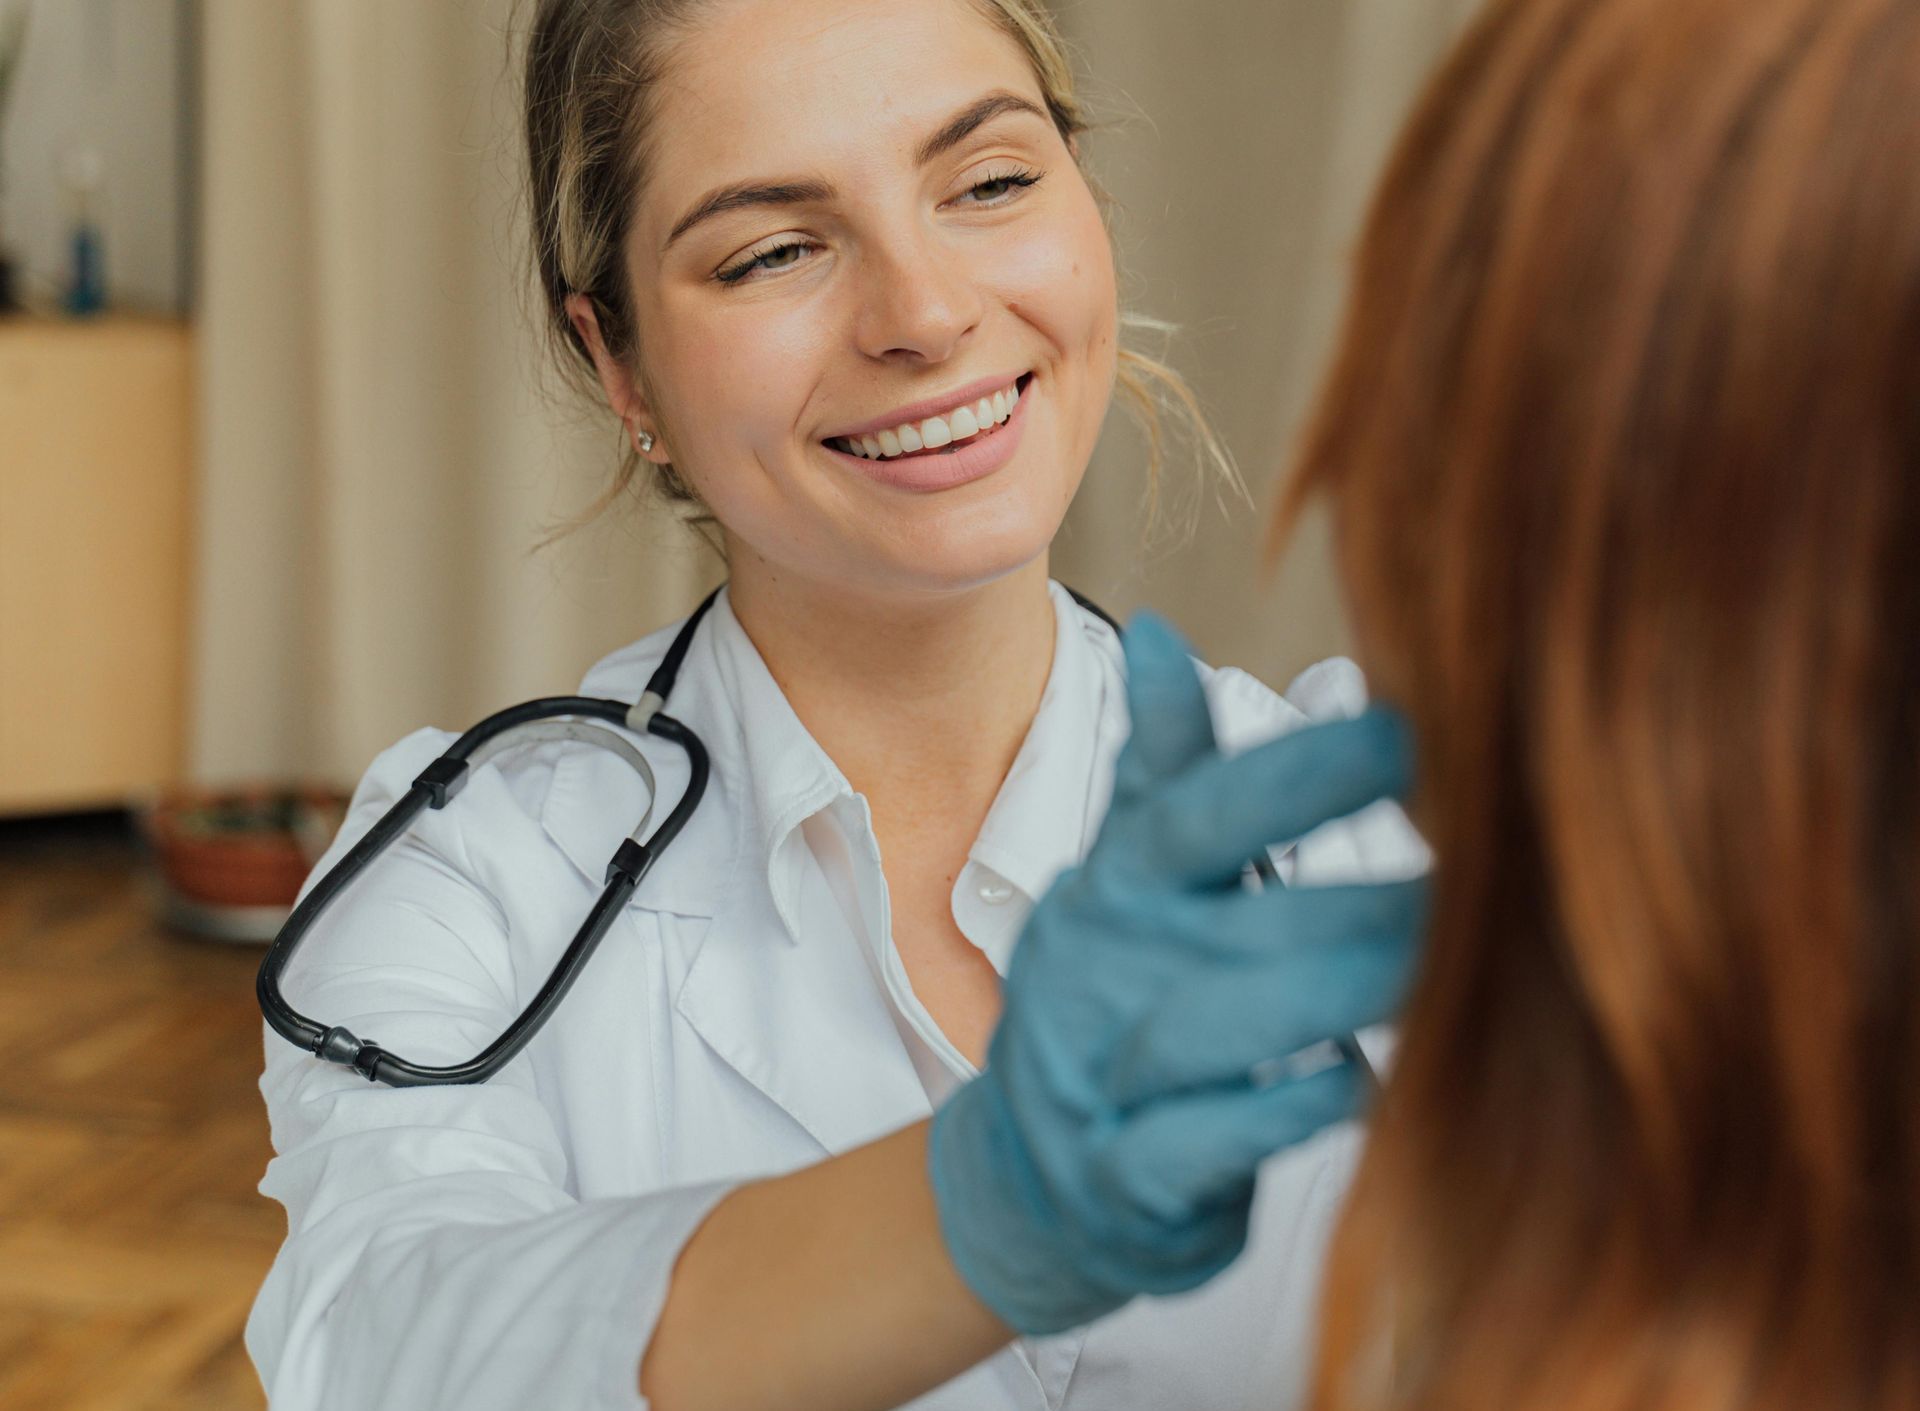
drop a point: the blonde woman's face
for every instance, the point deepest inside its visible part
(861, 233)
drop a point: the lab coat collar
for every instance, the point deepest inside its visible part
(769, 775)
(594, 799)
(785, 775)
(768, 779)
(753, 999)
(756, 992)
(1040, 823)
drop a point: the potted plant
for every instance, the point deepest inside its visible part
(242, 848)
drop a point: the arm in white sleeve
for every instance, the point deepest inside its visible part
(435, 1255)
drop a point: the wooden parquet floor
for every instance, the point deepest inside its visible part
(131, 1138)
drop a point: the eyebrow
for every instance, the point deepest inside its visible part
(803, 191)
(962, 127)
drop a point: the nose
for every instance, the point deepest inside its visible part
(919, 300)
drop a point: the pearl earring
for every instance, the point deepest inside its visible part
(643, 440)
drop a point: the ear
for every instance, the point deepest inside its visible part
(629, 403)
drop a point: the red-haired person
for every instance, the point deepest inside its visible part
(1623, 444)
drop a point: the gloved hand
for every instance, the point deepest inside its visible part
(1110, 1146)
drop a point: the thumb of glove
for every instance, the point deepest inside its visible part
(1172, 725)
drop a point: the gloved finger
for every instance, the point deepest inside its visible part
(1178, 1159)
(1202, 828)
(1172, 725)
(1236, 926)
(1143, 1257)
(1218, 1026)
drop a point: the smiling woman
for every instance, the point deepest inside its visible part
(597, 83)
(801, 260)
(834, 266)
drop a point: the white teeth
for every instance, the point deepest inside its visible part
(936, 431)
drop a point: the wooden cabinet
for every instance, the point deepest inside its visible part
(96, 458)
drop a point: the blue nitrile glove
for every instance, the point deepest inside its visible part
(1110, 1147)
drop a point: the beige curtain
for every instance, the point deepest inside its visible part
(380, 452)
(381, 448)
(1247, 138)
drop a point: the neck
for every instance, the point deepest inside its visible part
(922, 702)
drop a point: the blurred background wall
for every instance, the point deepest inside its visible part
(380, 448)
(381, 451)
(1247, 137)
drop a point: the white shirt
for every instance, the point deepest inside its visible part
(508, 1246)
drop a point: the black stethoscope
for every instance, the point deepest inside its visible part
(550, 718)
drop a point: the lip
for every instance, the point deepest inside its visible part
(926, 473)
(933, 406)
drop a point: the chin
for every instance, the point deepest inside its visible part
(958, 572)
(971, 544)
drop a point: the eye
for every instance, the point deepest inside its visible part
(770, 260)
(1001, 189)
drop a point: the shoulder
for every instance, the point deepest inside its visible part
(1246, 710)
(556, 791)
(1376, 844)
(489, 837)
(622, 674)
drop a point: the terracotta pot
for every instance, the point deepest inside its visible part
(243, 847)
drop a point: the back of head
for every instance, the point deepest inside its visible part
(1624, 447)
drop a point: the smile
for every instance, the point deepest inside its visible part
(935, 435)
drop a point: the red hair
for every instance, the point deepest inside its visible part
(1623, 447)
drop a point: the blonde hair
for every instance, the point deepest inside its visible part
(592, 70)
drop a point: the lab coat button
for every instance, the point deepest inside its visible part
(995, 892)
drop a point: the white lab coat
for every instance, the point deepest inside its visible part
(508, 1246)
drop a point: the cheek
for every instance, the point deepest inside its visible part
(1061, 277)
(732, 384)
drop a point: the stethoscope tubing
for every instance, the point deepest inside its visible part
(435, 788)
